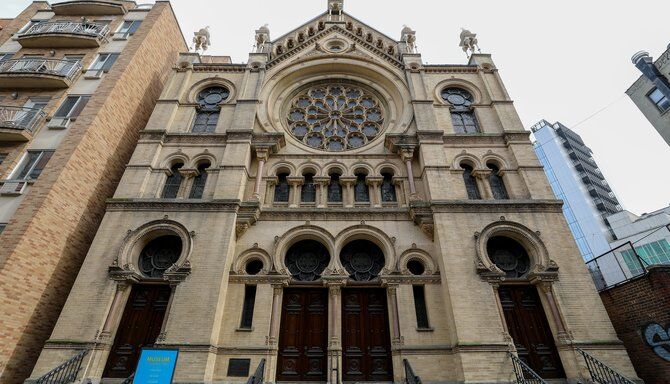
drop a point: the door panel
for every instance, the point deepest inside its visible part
(528, 326)
(303, 336)
(365, 336)
(139, 327)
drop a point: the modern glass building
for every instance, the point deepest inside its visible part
(575, 178)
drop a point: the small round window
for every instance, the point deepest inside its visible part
(254, 267)
(415, 267)
(210, 98)
(457, 97)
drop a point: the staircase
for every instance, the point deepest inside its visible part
(523, 373)
(65, 373)
(600, 372)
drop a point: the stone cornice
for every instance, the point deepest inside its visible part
(161, 205)
(334, 214)
(518, 205)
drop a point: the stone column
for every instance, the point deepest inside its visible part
(501, 313)
(482, 177)
(396, 338)
(294, 196)
(321, 190)
(374, 183)
(547, 290)
(262, 156)
(270, 191)
(407, 155)
(335, 330)
(399, 191)
(188, 175)
(348, 183)
(273, 337)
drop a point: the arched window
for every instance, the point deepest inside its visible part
(388, 189)
(509, 256)
(462, 114)
(199, 181)
(306, 260)
(362, 259)
(470, 182)
(334, 189)
(173, 182)
(207, 111)
(308, 189)
(282, 188)
(159, 255)
(361, 191)
(496, 182)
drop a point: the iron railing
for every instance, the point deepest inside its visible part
(410, 376)
(12, 187)
(65, 373)
(257, 377)
(600, 372)
(63, 68)
(523, 373)
(20, 118)
(129, 380)
(67, 27)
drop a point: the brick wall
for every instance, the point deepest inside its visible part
(50, 233)
(635, 306)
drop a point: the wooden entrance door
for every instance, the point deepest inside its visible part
(140, 325)
(527, 324)
(303, 336)
(366, 343)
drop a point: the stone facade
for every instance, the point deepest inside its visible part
(242, 217)
(51, 224)
(639, 312)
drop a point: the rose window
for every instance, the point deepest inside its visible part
(335, 117)
(159, 255)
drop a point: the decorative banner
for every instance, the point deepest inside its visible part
(156, 366)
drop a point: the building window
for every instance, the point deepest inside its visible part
(159, 255)
(420, 307)
(128, 28)
(657, 252)
(173, 182)
(2, 227)
(199, 181)
(361, 191)
(308, 189)
(208, 109)
(33, 164)
(5, 56)
(3, 156)
(496, 182)
(662, 102)
(334, 189)
(72, 107)
(470, 183)
(462, 114)
(74, 58)
(388, 189)
(102, 64)
(282, 188)
(248, 306)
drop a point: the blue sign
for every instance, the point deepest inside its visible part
(156, 366)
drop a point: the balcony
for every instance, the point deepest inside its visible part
(64, 34)
(12, 187)
(38, 73)
(18, 123)
(88, 8)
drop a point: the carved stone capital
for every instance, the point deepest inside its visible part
(295, 180)
(189, 172)
(374, 181)
(348, 180)
(177, 273)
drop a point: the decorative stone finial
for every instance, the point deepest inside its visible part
(469, 42)
(335, 7)
(262, 38)
(408, 36)
(201, 39)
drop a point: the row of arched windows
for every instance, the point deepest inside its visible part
(174, 181)
(361, 187)
(495, 181)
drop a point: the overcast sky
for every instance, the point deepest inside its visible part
(561, 61)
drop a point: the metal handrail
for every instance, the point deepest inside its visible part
(601, 372)
(20, 118)
(521, 370)
(67, 27)
(65, 68)
(410, 376)
(65, 373)
(129, 380)
(257, 377)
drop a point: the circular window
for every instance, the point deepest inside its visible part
(335, 116)
(509, 256)
(210, 98)
(457, 97)
(254, 267)
(159, 255)
(415, 267)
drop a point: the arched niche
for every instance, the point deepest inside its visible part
(415, 254)
(250, 255)
(369, 233)
(294, 235)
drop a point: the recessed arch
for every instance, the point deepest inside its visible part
(335, 167)
(174, 158)
(364, 168)
(294, 235)
(281, 167)
(388, 167)
(430, 267)
(309, 167)
(249, 255)
(202, 158)
(466, 158)
(199, 86)
(496, 159)
(372, 234)
(458, 83)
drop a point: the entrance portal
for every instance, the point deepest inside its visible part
(140, 325)
(303, 336)
(527, 324)
(366, 344)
